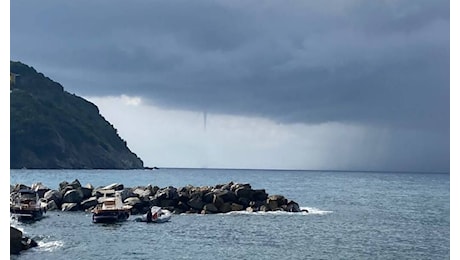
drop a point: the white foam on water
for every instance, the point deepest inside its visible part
(50, 246)
(16, 225)
(316, 211)
(311, 211)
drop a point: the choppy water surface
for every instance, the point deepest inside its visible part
(353, 215)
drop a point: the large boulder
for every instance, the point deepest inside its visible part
(226, 186)
(182, 207)
(53, 195)
(87, 192)
(196, 203)
(245, 192)
(226, 195)
(236, 186)
(208, 197)
(168, 203)
(127, 193)
(168, 193)
(264, 208)
(62, 185)
(40, 189)
(210, 208)
(225, 207)
(70, 207)
(64, 190)
(18, 242)
(73, 196)
(217, 201)
(16, 245)
(142, 192)
(260, 195)
(276, 201)
(292, 206)
(256, 205)
(51, 205)
(135, 202)
(114, 186)
(88, 203)
(244, 201)
(236, 207)
(75, 184)
(20, 186)
(183, 196)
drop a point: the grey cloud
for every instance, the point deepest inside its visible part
(382, 63)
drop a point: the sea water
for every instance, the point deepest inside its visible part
(352, 215)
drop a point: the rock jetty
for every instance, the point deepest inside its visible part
(221, 198)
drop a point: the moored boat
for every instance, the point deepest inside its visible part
(25, 205)
(156, 215)
(111, 209)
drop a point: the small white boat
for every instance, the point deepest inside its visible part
(112, 209)
(156, 215)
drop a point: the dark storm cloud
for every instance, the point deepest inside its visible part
(364, 62)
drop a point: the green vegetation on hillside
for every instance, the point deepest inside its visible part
(53, 129)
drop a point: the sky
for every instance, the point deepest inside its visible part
(328, 85)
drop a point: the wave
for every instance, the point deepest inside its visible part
(311, 211)
(50, 246)
(316, 211)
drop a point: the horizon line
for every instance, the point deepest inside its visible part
(309, 170)
(244, 169)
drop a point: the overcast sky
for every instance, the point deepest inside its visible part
(348, 85)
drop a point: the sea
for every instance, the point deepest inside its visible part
(351, 215)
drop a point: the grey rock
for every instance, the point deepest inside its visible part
(18, 242)
(225, 207)
(53, 195)
(236, 207)
(142, 192)
(196, 203)
(73, 196)
(114, 186)
(69, 207)
(75, 184)
(88, 203)
(244, 192)
(227, 195)
(51, 205)
(260, 195)
(210, 208)
(87, 192)
(133, 201)
(292, 206)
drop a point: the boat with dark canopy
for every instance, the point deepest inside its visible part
(25, 205)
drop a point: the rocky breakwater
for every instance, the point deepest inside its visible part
(221, 198)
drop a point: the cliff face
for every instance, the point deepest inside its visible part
(53, 129)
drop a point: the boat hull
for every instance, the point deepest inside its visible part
(110, 216)
(27, 214)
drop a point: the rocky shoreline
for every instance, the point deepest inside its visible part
(221, 198)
